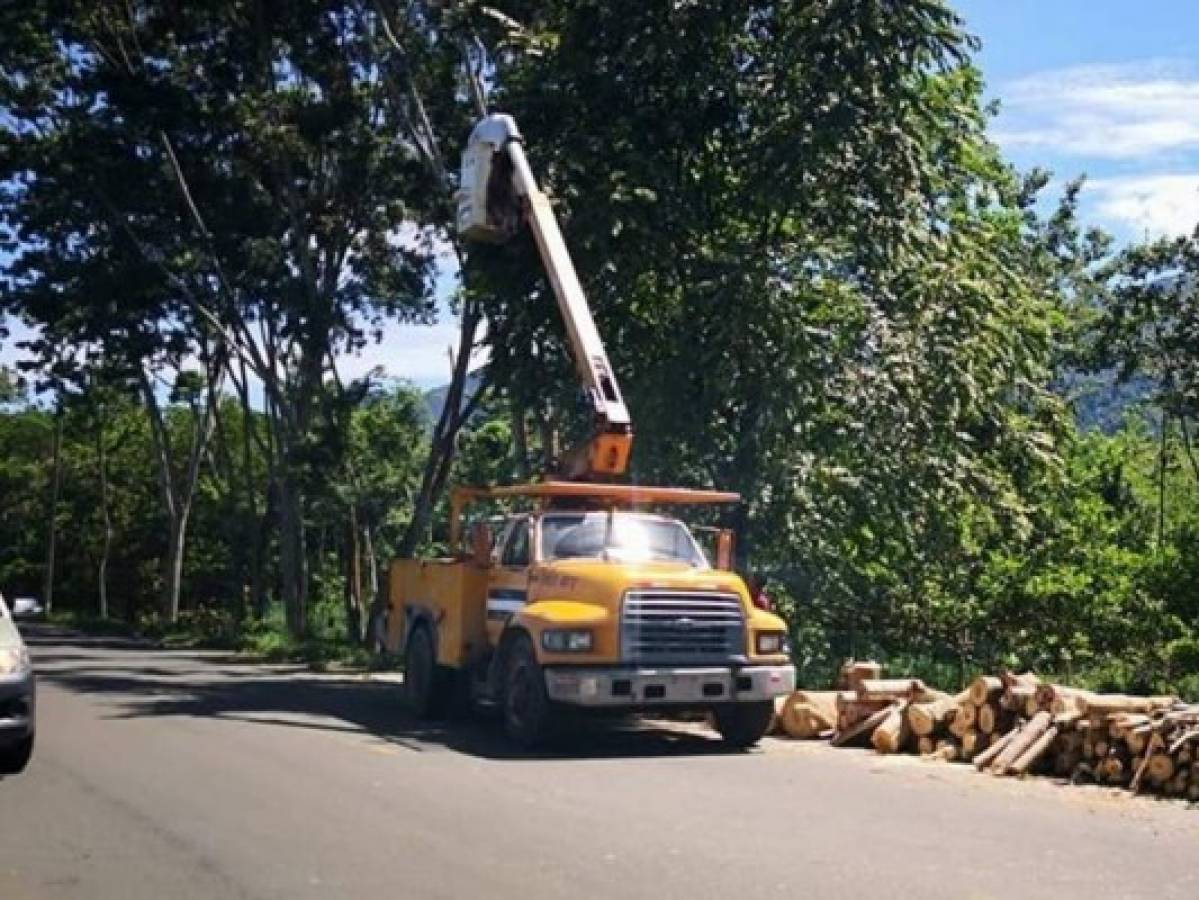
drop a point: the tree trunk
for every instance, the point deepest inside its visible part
(368, 541)
(173, 565)
(293, 555)
(520, 441)
(454, 415)
(353, 589)
(106, 518)
(177, 498)
(55, 495)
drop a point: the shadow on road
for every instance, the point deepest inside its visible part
(144, 682)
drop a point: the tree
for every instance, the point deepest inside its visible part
(234, 171)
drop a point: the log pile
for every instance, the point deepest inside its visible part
(1010, 724)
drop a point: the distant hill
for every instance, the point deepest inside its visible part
(1101, 402)
(435, 398)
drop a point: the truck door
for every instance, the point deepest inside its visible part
(508, 587)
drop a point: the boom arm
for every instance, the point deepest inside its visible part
(498, 189)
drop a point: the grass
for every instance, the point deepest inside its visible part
(264, 640)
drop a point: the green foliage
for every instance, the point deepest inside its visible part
(820, 283)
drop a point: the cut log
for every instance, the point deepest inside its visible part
(805, 714)
(1016, 697)
(1028, 736)
(801, 722)
(971, 743)
(1112, 770)
(987, 717)
(1177, 785)
(843, 699)
(1161, 769)
(1070, 740)
(1024, 679)
(1066, 763)
(985, 758)
(1061, 700)
(967, 714)
(1106, 704)
(1177, 746)
(851, 710)
(886, 690)
(925, 718)
(958, 724)
(985, 689)
(864, 727)
(1083, 772)
(854, 673)
(1031, 706)
(946, 750)
(1033, 754)
(891, 732)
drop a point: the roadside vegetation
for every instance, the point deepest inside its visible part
(963, 422)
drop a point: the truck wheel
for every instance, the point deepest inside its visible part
(528, 714)
(743, 724)
(425, 688)
(14, 759)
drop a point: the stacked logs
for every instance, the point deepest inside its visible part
(1142, 743)
(1010, 724)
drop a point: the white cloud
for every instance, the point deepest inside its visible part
(1103, 111)
(1159, 204)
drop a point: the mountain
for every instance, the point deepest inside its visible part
(435, 398)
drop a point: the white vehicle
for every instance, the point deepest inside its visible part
(25, 608)
(18, 697)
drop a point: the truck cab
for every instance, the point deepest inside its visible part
(591, 600)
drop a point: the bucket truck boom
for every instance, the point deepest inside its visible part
(497, 192)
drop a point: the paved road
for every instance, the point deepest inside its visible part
(179, 775)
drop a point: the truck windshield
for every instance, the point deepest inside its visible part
(618, 536)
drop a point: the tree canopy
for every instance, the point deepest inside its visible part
(820, 282)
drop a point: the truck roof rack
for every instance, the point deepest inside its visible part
(604, 496)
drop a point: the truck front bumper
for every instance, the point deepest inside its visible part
(613, 687)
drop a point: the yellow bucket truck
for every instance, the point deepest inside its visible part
(590, 598)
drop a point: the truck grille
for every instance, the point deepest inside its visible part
(658, 627)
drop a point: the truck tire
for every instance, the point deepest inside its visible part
(528, 713)
(426, 684)
(742, 725)
(14, 759)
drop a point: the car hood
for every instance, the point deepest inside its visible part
(9, 636)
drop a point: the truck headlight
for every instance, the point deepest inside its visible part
(567, 640)
(14, 660)
(771, 642)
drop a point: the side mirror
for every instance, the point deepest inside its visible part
(482, 542)
(724, 550)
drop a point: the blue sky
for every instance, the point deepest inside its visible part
(1107, 88)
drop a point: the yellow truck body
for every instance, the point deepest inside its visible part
(603, 620)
